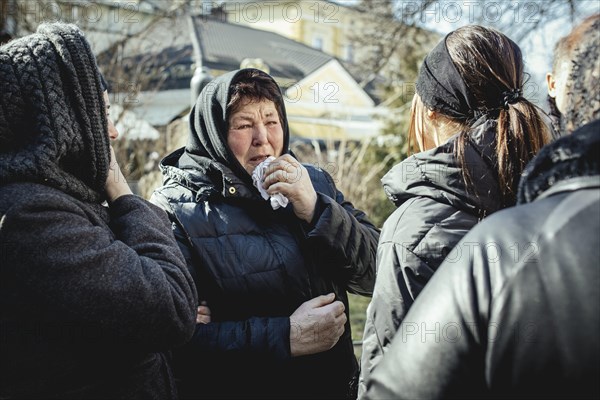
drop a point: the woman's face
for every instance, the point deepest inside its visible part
(430, 128)
(255, 133)
(112, 131)
(421, 123)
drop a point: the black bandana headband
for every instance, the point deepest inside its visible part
(442, 89)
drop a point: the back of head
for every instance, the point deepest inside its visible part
(490, 64)
(576, 154)
(567, 46)
(481, 71)
(580, 50)
(53, 126)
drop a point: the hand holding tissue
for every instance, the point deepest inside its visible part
(277, 200)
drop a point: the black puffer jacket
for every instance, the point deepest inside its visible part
(518, 315)
(435, 210)
(254, 266)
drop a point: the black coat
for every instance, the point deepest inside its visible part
(435, 210)
(518, 315)
(90, 297)
(254, 266)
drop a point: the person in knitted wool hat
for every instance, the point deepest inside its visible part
(93, 285)
(50, 99)
(574, 73)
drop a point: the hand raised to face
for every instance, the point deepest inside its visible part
(287, 176)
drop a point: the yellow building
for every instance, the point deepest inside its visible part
(152, 50)
(323, 100)
(323, 25)
(331, 101)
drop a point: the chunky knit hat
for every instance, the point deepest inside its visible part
(582, 97)
(53, 126)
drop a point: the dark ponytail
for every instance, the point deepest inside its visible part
(491, 66)
(520, 134)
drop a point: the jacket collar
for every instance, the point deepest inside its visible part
(436, 174)
(204, 177)
(567, 164)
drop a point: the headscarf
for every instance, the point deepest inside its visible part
(53, 126)
(209, 124)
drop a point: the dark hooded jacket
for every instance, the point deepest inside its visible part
(435, 210)
(517, 316)
(255, 266)
(90, 296)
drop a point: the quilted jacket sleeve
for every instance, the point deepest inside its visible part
(344, 238)
(267, 336)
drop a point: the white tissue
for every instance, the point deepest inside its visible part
(277, 200)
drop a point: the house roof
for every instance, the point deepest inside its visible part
(223, 46)
(169, 51)
(162, 60)
(160, 57)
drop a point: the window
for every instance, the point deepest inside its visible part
(317, 42)
(349, 53)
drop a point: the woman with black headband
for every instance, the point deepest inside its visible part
(476, 132)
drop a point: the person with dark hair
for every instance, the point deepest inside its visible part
(272, 276)
(91, 295)
(476, 132)
(571, 65)
(515, 312)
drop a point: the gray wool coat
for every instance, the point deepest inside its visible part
(91, 297)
